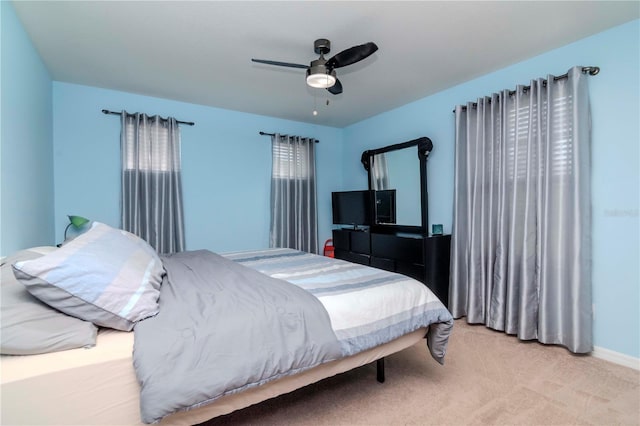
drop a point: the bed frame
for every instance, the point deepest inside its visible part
(98, 386)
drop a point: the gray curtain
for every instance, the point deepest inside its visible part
(293, 194)
(521, 243)
(151, 181)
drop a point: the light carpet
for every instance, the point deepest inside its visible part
(489, 378)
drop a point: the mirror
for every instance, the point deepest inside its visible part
(398, 174)
(397, 171)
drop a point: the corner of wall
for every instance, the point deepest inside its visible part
(26, 149)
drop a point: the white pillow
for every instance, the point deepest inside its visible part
(107, 276)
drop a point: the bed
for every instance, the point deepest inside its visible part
(98, 383)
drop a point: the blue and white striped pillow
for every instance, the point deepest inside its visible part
(107, 276)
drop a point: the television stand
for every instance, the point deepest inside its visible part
(425, 258)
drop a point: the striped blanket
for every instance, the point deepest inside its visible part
(367, 306)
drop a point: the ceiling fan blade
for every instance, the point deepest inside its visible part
(336, 89)
(351, 55)
(280, 64)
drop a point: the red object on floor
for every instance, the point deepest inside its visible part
(328, 248)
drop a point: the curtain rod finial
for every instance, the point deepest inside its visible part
(592, 70)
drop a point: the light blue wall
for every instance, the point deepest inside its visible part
(26, 169)
(615, 100)
(226, 165)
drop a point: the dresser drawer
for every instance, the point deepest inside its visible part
(362, 259)
(360, 242)
(411, 270)
(386, 264)
(408, 249)
(340, 239)
(349, 240)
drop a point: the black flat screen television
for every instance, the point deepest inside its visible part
(352, 208)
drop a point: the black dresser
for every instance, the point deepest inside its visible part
(425, 258)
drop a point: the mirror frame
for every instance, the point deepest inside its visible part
(425, 146)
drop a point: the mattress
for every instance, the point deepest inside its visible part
(98, 386)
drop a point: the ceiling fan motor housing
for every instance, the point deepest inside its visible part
(322, 46)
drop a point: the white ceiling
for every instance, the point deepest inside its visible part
(200, 52)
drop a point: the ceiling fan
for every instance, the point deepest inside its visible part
(321, 72)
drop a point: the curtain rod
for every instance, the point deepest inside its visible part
(585, 70)
(273, 134)
(188, 123)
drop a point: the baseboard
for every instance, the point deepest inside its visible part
(616, 357)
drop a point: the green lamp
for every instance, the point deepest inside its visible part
(77, 222)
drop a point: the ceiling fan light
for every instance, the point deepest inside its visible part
(321, 80)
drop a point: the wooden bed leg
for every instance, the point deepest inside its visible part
(380, 374)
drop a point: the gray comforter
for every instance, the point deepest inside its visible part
(223, 327)
(233, 322)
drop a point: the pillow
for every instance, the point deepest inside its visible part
(28, 326)
(105, 275)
